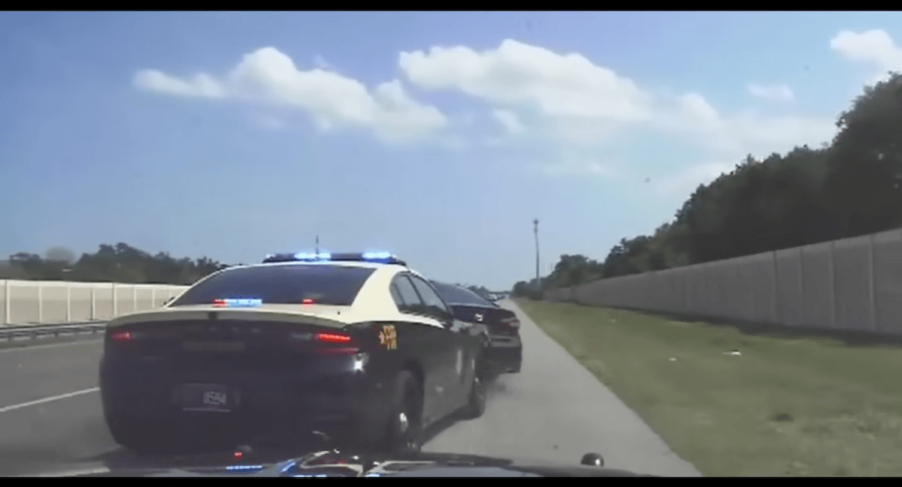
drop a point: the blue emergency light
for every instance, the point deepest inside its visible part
(313, 256)
(375, 257)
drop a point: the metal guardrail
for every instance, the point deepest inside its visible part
(33, 332)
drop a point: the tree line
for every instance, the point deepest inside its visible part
(111, 263)
(121, 263)
(849, 187)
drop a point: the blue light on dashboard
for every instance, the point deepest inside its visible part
(244, 467)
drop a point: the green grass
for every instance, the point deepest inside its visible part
(784, 407)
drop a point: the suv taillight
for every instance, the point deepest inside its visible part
(512, 323)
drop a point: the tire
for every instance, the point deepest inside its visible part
(476, 399)
(515, 369)
(404, 432)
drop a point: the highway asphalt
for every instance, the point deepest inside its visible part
(553, 411)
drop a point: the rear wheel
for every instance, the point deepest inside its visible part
(405, 424)
(476, 399)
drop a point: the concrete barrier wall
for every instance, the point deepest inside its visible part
(850, 284)
(24, 302)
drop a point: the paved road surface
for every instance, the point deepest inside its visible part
(554, 410)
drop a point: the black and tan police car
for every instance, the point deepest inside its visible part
(355, 347)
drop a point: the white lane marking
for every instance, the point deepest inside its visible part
(48, 399)
(27, 348)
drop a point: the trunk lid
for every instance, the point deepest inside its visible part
(266, 338)
(498, 320)
(320, 315)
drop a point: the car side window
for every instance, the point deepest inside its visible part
(410, 300)
(396, 295)
(434, 303)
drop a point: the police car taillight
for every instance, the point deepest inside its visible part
(332, 338)
(132, 335)
(121, 336)
(336, 344)
(326, 343)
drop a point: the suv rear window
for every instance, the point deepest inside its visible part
(457, 295)
(282, 284)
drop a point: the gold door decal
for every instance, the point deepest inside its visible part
(388, 337)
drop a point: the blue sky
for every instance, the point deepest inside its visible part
(438, 136)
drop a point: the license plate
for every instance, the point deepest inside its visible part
(209, 397)
(213, 346)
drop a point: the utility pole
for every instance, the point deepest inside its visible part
(535, 223)
(317, 245)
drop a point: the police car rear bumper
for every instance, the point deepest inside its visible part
(275, 405)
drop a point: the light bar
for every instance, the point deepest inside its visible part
(375, 257)
(313, 256)
(298, 257)
(237, 303)
(378, 256)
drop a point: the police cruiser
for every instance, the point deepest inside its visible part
(354, 347)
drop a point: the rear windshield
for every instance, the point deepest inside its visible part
(457, 295)
(282, 284)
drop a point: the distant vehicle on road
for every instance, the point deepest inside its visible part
(504, 350)
(355, 347)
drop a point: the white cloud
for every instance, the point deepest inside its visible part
(566, 102)
(320, 62)
(579, 103)
(684, 182)
(332, 100)
(509, 121)
(874, 47)
(571, 163)
(771, 92)
(566, 86)
(269, 122)
(201, 85)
